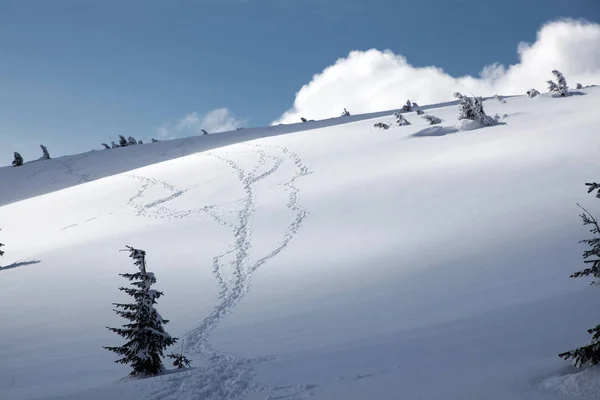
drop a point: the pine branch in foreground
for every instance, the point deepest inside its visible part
(590, 353)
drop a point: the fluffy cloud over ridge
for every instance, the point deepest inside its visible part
(374, 80)
(218, 120)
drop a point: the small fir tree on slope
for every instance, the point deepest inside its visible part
(18, 160)
(1, 252)
(400, 120)
(145, 335)
(45, 154)
(122, 141)
(589, 354)
(560, 85)
(179, 360)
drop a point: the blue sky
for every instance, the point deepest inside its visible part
(76, 73)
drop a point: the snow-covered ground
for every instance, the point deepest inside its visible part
(325, 260)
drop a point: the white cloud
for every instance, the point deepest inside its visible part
(374, 80)
(218, 120)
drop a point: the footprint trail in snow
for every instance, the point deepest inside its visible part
(223, 375)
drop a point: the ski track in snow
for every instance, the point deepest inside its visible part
(81, 178)
(224, 375)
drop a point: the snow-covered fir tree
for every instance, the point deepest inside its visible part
(560, 85)
(114, 145)
(472, 108)
(407, 107)
(106, 147)
(145, 334)
(303, 119)
(579, 86)
(18, 159)
(532, 93)
(203, 131)
(45, 154)
(154, 140)
(1, 246)
(431, 119)
(400, 120)
(132, 141)
(465, 107)
(345, 113)
(140, 142)
(122, 141)
(589, 354)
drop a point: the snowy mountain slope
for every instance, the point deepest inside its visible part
(344, 262)
(62, 172)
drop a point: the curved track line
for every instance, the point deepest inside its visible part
(227, 376)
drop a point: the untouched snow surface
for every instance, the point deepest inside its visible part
(326, 260)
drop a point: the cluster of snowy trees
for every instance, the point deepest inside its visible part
(590, 353)
(411, 106)
(560, 86)
(472, 108)
(18, 158)
(130, 141)
(145, 335)
(401, 119)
